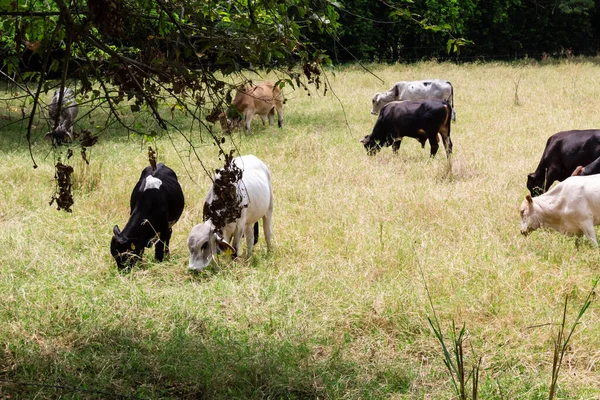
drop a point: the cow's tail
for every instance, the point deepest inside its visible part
(448, 123)
(449, 116)
(452, 101)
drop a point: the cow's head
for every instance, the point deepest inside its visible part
(230, 119)
(529, 218)
(60, 135)
(226, 124)
(535, 184)
(125, 251)
(376, 104)
(204, 243)
(371, 145)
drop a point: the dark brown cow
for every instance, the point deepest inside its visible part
(422, 120)
(564, 152)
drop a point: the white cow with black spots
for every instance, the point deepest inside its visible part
(432, 89)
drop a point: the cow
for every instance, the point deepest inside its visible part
(415, 90)
(256, 201)
(156, 204)
(563, 153)
(262, 100)
(572, 207)
(62, 126)
(421, 120)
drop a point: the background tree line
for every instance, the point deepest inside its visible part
(390, 31)
(231, 35)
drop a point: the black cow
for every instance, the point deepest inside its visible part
(564, 152)
(421, 120)
(156, 204)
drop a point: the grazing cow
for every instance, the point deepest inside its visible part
(563, 153)
(572, 208)
(156, 205)
(63, 127)
(421, 120)
(262, 100)
(256, 202)
(415, 90)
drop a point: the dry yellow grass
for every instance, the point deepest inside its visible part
(339, 310)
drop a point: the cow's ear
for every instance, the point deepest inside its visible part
(529, 199)
(116, 230)
(224, 247)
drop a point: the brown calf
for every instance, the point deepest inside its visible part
(262, 99)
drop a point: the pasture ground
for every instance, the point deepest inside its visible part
(340, 308)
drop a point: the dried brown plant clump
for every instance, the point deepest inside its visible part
(152, 158)
(63, 195)
(226, 206)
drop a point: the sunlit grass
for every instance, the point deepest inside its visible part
(339, 309)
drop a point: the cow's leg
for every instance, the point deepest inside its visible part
(272, 116)
(433, 142)
(268, 226)
(237, 238)
(264, 119)
(162, 245)
(447, 144)
(249, 232)
(589, 232)
(280, 117)
(248, 116)
(396, 145)
(444, 131)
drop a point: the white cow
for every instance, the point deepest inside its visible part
(572, 207)
(256, 196)
(415, 90)
(68, 113)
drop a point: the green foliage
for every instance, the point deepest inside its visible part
(192, 53)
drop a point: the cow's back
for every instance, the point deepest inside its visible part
(169, 191)
(426, 90)
(256, 184)
(578, 196)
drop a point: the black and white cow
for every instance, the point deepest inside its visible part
(564, 152)
(415, 90)
(156, 204)
(422, 120)
(62, 125)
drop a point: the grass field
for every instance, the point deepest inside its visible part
(340, 308)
